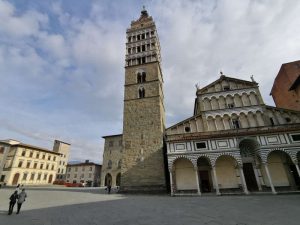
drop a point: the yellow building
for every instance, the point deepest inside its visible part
(27, 164)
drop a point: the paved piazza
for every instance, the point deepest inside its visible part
(64, 206)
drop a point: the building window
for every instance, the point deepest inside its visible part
(68, 175)
(109, 164)
(20, 164)
(28, 165)
(41, 166)
(82, 175)
(272, 121)
(75, 175)
(296, 137)
(200, 145)
(2, 178)
(76, 169)
(45, 176)
(62, 170)
(226, 88)
(39, 176)
(49, 157)
(58, 170)
(187, 129)
(69, 169)
(31, 154)
(25, 176)
(35, 165)
(23, 152)
(54, 158)
(52, 167)
(83, 168)
(235, 124)
(44, 156)
(32, 176)
(119, 164)
(143, 77)
(47, 166)
(141, 92)
(230, 105)
(139, 78)
(91, 168)
(288, 120)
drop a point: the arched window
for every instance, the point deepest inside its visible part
(119, 164)
(139, 78)
(109, 164)
(142, 93)
(143, 77)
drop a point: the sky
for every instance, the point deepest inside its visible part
(62, 61)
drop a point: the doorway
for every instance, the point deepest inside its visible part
(204, 181)
(250, 177)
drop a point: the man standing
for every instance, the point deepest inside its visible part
(22, 197)
(13, 198)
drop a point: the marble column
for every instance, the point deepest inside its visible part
(242, 176)
(171, 183)
(216, 180)
(269, 178)
(197, 179)
(257, 177)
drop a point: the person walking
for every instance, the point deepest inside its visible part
(13, 198)
(108, 188)
(21, 199)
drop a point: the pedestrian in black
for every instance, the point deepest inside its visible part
(13, 198)
(21, 198)
(108, 188)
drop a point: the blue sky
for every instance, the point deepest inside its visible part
(62, 62)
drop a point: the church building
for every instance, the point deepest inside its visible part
(232, 143)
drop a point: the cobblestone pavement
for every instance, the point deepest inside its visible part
(65, 206)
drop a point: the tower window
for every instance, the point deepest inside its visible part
(152, 33)
(230, 105)
(138, 37)
(143, 48)
(139, 78)
(142, 93)
(143, 77)
(143, 59)
(138, 48)
(143, 36)
(288, 120)
(129, 39)
(138, 61)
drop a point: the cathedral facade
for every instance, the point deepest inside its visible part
(232, 143)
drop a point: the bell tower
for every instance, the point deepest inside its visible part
(144, 114)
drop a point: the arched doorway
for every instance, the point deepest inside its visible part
(282, 170)
(16, 179)
(108, 179)
(185, 178)
(204, 172)
(248, 148)
(50, 179)
(226, 172)
(118, 179)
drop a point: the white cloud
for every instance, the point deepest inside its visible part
(62, 74)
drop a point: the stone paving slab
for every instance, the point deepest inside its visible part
(70, 206)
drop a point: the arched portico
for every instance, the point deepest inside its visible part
(226, 172)
(183, 176)
(282, 170)
(118, 179)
